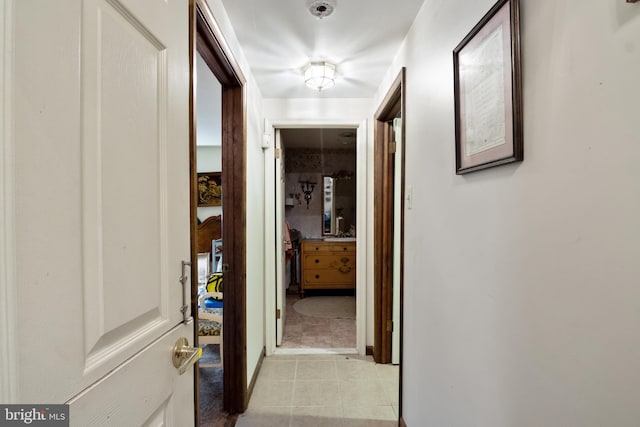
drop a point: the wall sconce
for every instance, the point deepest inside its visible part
(307, 187)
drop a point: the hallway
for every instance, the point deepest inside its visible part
(323, 391)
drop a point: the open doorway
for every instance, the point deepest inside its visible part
(218, 219)
(208, 161)
(319, 197)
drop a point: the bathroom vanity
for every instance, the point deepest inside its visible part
(328, 264)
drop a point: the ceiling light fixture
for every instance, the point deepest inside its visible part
(319, 75)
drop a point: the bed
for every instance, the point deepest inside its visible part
(210, 325)
(210, 318)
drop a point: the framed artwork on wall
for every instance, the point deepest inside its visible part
(488, 91)
(210, 189)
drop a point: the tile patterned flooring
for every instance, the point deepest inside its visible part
(323, 391)
(302, 331)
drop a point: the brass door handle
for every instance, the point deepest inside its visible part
(183, 356)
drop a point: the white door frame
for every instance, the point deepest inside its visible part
(279, 216)
(361, 225)
(8, 285)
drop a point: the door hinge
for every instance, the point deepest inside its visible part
(277, 313)
(389, 325)
(392, 147)
(276, 153)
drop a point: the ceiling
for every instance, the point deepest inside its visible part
(361, 37)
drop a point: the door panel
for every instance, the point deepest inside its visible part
(125, 187)
(124, 182)
(102, 184)
(156, 405)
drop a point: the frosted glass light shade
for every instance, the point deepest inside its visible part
(319, 75)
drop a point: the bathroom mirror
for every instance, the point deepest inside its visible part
(328, 207)
(338, 205)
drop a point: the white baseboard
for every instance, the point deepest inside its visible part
(320, 351)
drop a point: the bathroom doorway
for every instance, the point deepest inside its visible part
(319, 235)
(319, 177)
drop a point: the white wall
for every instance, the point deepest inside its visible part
(208, 105)
(521, 303)
(321, 111)
(255, 197)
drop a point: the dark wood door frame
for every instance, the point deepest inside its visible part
(206, 38)
(384, 160)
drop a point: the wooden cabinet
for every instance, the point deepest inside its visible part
(327, 265)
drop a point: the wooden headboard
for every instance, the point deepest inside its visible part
(209, 230)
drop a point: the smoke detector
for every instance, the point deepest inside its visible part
(321, 8)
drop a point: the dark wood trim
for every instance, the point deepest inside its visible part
(392, 102)
(402, 422)
(254, 377)
(218, 57)
(384, 161)
(369, 350)
(207, 39)
(233, 230)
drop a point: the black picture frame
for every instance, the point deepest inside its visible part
(488, 91)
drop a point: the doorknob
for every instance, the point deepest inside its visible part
(184, 356)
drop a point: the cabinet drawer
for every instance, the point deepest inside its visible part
(328, 260)
(343, 248)
(316, 247)
(326, 278)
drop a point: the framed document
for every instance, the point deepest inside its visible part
(488, 91)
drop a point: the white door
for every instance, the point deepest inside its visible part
(269, 239)
(281, 286)
(100, 122)
(397, 248)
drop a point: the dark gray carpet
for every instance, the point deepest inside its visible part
(211, 392)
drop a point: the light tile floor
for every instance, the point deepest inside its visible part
(323, 391)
